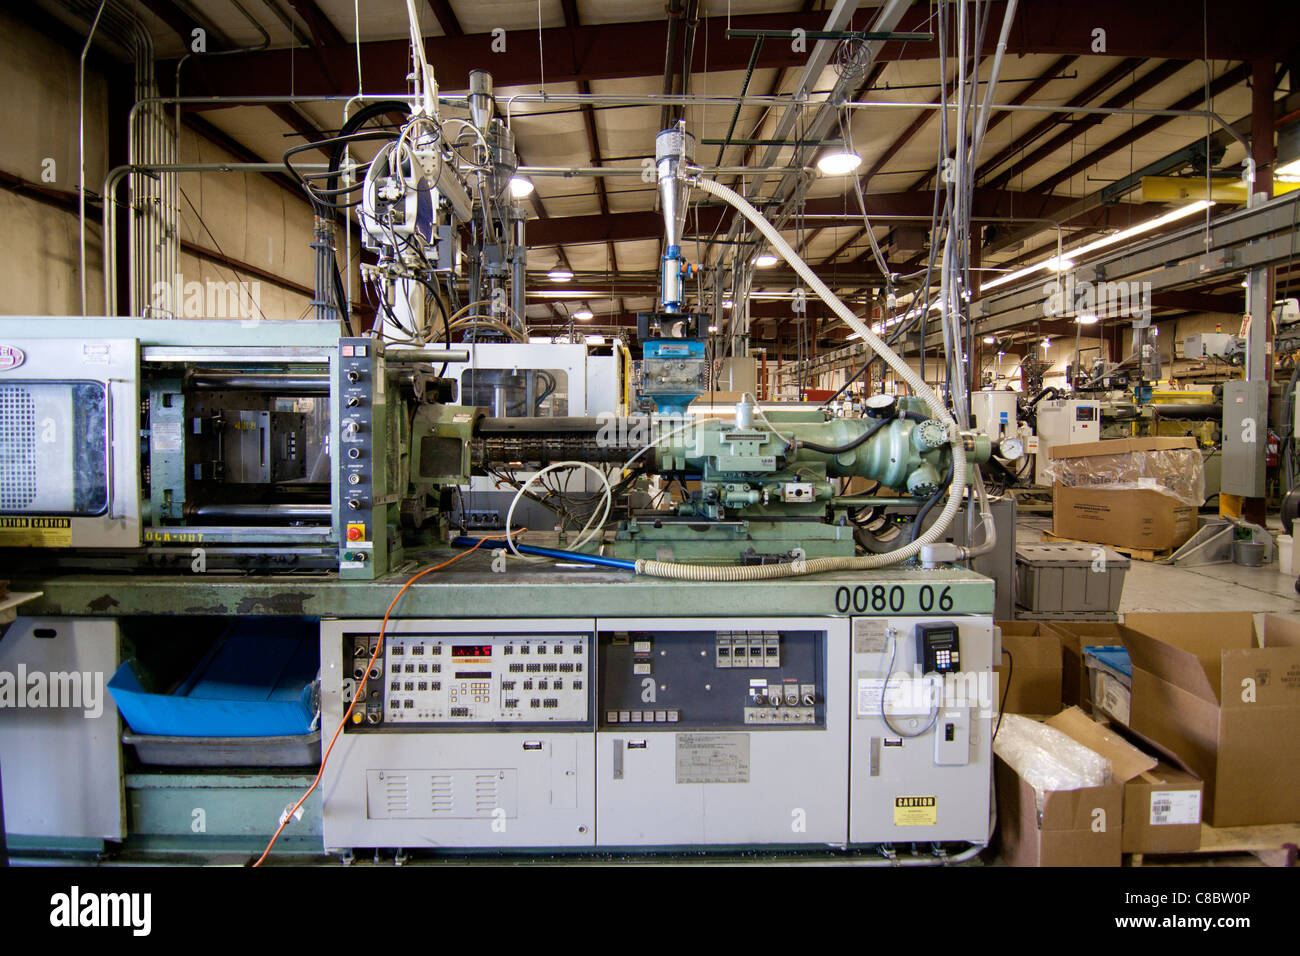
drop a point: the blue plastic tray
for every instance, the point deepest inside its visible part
(257, 681)
(1116, 658)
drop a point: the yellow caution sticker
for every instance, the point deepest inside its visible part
(916, 811)
(35, 532)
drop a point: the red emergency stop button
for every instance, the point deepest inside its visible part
(356, 532)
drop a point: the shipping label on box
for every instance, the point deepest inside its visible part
(1112, 697)
(1175, 808)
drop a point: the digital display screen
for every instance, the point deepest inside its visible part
(1085, 413)
(473, 675)
(471, 650)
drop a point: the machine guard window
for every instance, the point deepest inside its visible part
(507, 392)
(54, 447)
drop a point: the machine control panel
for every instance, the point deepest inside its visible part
(937, 648)
(473, 679)
(358, 388)
(712, 679)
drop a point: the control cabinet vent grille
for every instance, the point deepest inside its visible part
(17, 448)
(441, 794)
(397, 794)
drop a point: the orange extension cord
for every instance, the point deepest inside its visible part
(361, 688)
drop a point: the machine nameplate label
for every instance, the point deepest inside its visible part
(35, 532)
(167, 436)
(916, 811)
(11, 356)
(713, 758)
(869, 635)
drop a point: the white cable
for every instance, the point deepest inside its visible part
(689, 572)
(589, 530)
(789, 442)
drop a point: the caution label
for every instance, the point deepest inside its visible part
(35, 532)
(916, 811)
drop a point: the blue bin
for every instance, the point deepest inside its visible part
(1110, 675)
(258, 680)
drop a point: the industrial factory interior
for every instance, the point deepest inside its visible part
(474, 435)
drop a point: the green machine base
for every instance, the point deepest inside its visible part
(697, 541)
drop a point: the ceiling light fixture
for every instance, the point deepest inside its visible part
(559, 275)
(765, 260)
(838, 162)
(1182, 212)
(583, 315)
(520, 187)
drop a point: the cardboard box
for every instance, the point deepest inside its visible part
(1035, 669)
(1162, 807)
(1077, 827)
(1162, 811)
(1122, 517)
(1223, 698)
(1076, 690)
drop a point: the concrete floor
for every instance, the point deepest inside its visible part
(1150, 587)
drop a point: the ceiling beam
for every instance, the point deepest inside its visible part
(446, 17)
(1084, 97)
(323, 31)
(619, 50)
(288, 114)
(1077, 127)
(568, 54)
(184, 25)
(703, 220)
(1191, 101)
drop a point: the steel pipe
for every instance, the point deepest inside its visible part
(288, 383)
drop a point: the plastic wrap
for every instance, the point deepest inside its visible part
(1047, 759)
(1179, 472)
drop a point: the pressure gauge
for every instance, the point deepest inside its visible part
(1011, 448)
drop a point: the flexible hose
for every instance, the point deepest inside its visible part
(761, 572)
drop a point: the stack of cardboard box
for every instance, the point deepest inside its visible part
(1141, 516)
(1213, 735)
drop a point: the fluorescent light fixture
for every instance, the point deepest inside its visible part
(1060, 265)
(838, 162)
(583, 315)
(765, 260)
(1069, 256)
(990, 340)
(727, 304)
(520, 187)
(1086, 319)
(1289, 170)
(559, 275)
